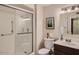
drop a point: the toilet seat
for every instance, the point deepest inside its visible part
(44, 51)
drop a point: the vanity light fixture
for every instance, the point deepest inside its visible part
(75, 7)
(62, 9)
(65, 9)
(77, 12)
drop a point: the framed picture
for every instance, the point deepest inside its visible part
(50, 23)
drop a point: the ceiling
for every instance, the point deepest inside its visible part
(55, 5)
(45, 5)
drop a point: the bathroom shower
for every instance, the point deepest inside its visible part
(16, 31)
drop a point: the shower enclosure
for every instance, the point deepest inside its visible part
(24, 41)
(16, 31)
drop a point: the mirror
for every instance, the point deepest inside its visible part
(75, 26)
(70, 23)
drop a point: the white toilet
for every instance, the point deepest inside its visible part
(49, 44)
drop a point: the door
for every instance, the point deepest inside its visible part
(24, 41)
(7, 37)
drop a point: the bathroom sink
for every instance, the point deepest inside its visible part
(68, 44)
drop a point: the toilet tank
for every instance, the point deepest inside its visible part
(48, 43)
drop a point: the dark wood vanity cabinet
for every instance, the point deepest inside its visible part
(64, 50)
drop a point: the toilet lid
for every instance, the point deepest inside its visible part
(43, 51)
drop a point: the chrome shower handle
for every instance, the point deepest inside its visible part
(11, 30)
(12, 26)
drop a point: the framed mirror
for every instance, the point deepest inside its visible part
(70, 23)
(75, 25)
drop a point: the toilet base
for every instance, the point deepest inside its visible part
(45, 51)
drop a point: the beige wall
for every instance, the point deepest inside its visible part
(39, 25)
(30, 6)
(53, 11)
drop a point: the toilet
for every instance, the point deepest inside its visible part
(48, 44)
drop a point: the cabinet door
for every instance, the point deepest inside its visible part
(58, 53)
(63, 49)
(76, 51)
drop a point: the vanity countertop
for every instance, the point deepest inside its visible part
(68, 44)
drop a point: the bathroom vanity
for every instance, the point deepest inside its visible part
(66, 48)
(69, 29)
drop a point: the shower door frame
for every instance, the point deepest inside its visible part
(26, 11)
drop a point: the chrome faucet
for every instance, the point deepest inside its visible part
(61, 37)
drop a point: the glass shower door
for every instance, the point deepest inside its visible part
(24, 40)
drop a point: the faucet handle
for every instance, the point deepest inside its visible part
(68, 40)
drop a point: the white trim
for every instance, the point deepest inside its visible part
(18, 8)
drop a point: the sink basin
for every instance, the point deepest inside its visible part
(68, 44)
